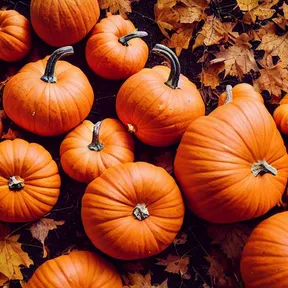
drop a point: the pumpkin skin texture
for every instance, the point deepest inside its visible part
(63, 22)
(114, 50)
(132, 210)
(35, 187)
(78, 269)
(264, 261)
(220, 168)
(239, 91)
(15, 36)
(84, 160)
(280, 115)
(52, 104)
(157, 110)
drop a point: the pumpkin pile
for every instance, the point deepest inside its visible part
(230, 165)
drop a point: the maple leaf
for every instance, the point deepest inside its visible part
(180, 239)
(285, 10)
(115, 6)
(11, 134)
(247, 5)
(166, 160)
(41, 228)
(137, 280)
(209, 76)
(11, 256)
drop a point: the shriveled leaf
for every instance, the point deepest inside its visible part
(247, 5)
(209, 76)
(115, 6)
(180, 239)
(41, 228)
(137, 280)
(11, 134)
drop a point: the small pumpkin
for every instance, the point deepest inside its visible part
(88, 150)
(15, 36)
(280, 115)
(264, 261)
(63, 22)
(132, 210)
(237, 167)
(239, 91)
(29, 181)
(48, 97)
(77, 269)
(157, 110)
(115, 49)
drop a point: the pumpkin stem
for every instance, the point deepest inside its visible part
(175, 69)
(261, 167)
(16, 183)
(229, 94)
(49, 75)
(96, 145)
(131, 128)
(136, 34)
(141, 212)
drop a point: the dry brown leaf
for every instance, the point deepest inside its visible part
(11, 256)
(115, 6)
(137, 280)
(176, 265)
(11, 134)
(280, 21)
(247, 5)
(180, 239)
(209, 76)
(41, 228)
(285, 10)
(166, 160)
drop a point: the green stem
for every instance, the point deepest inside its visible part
(262, 167)
(229, 94)
(171, 57)
(96, 145)
(136, 34)
(49, 75)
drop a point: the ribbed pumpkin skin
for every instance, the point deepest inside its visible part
(264, 262)
(108, 204)
(84, 165)
(111, 59)
(42, 182)
(15, 36)
(239, 91)
(79, 269)
(280, 116)
(48, 109)
(63, 22)
(160, 114)
(213, 165)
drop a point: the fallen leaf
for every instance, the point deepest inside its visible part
(11, 256)
(280, 21)
(247, 5)
(176, 265)
(209, 76)
(115, 6)
(285, 9)
(4, 79)
(180, 239)
(11, 134)
(41, 228)
(166, 160)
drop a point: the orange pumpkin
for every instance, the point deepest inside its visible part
(15, 36)
(132, 210)
(29, 181)
(264, 262)
(48, 97)
(232, 165)
(77, 269)
(280, 115)
(63, 22)
(239, 91)
(115, 50)
(157, 110)
(88, 150)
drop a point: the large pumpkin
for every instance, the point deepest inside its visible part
(264, 262)
(48, 97)
(132, 210)
(115, 50)
(79, 269)
(157, 110)
(15, 36)
(88, 150)
(63, 22)
(29, 181)
(232, 165)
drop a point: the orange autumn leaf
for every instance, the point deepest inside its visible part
(11, 134)
(209, 76)
(115, 6)
(247, 5)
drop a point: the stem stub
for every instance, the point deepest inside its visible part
(95, 144)
(261, 167)
(16, 183)
(141, 212)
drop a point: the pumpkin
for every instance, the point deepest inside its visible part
(48, 97)
(88, 150)
(280, 115)
(29, 181)
(115, 49)
(15, 36)
(77, 269)
(132, 210)
(157, 110)
(63, 22)
(239, 91)
(232, 165)
(264, 261)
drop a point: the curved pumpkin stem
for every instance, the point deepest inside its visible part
(262, 167)
(49, 75)
(229, 94)
(141, 212)
(175, 69)
(136, 34)
(16, 183)
(96, 145)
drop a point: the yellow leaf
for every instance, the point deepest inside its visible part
(41, 228)
(115, 6)
(285, 10)
(247, 5)
(209, 76)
